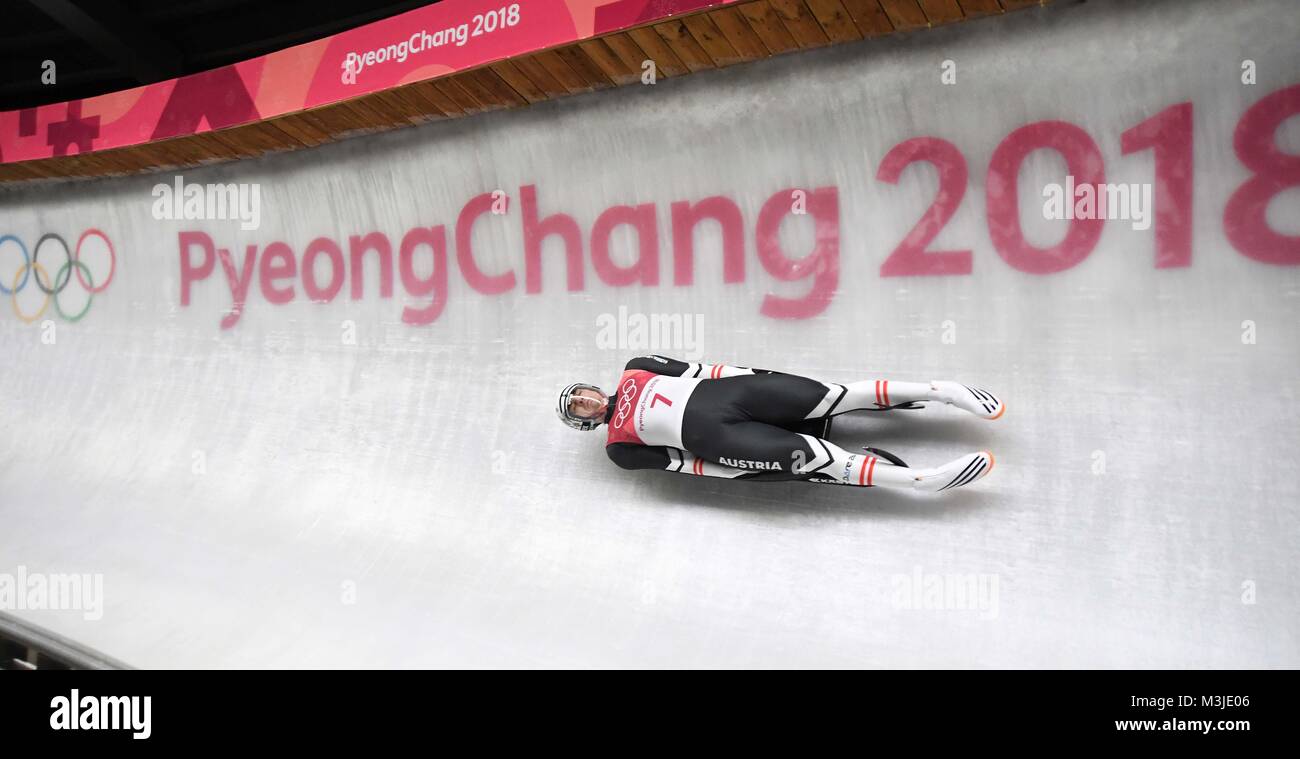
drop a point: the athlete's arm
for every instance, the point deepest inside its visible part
(666, 458)
(674, 368)
(633, 456)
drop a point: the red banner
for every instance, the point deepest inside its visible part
(417, 45)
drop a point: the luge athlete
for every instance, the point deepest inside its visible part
(729, 421)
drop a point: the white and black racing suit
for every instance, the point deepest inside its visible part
(734, 422)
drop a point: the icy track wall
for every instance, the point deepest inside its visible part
(330, 440)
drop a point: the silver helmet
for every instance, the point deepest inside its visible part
(568, 417)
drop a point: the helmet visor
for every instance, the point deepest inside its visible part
(582, 406)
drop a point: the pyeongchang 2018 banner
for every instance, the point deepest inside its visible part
(417, 45)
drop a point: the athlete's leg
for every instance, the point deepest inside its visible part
(879, 395)
(787, 399)
(882, 394)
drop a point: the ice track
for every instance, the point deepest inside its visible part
(355, 484)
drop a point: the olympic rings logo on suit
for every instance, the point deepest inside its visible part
(33, 271)
(625, 394)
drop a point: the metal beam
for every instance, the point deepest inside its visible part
(39, 640)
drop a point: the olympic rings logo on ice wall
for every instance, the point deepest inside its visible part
(30, 286)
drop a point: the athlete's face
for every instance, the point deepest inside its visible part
(588, 404)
